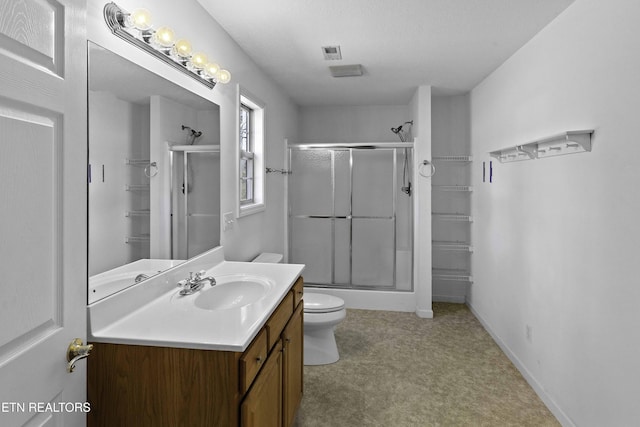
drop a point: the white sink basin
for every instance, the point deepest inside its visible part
(233, 291)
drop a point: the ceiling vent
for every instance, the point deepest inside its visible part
(331, 52)
(346, 70)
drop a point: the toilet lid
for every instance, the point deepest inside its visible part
(321, 303)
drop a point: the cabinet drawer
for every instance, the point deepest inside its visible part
(252, 360)
(279, 319)
(298, 292)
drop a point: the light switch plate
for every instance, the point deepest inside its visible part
(228, 221)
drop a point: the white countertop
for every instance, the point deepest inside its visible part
(168, 321)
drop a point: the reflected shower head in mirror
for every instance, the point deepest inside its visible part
(192, 134)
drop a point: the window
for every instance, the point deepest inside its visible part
(250, 154)
(247, 143)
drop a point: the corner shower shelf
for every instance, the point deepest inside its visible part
(137, 187)
(569, 142)
(452, 275)
(452, 246)
(452, 187)
(452, 217)
(452, 158)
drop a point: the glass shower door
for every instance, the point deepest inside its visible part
(342, 216)
(373, 219)
(311, 214)
(195, 202)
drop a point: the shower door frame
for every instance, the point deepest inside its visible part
(351, 148)
(185, 150)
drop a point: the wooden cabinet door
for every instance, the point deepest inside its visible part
(292, 338)
(262, 406)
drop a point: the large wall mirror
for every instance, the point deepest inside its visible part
(154, 174)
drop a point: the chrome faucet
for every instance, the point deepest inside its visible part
(194, 283)
(140, 277)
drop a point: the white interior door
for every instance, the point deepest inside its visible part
(43, 223)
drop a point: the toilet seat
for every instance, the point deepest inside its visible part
(321, 303)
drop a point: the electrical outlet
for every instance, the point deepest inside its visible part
(228, 221)
(529, 333)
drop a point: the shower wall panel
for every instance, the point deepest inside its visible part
(313, 241)
(312, 190)
(373, 253)
(373, 183)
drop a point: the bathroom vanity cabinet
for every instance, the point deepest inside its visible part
(166, 386)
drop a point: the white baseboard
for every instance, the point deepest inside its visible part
(372, 300)
(424, 314)
(537, 387)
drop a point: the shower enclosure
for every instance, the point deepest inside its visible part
(350, 221)
(195, 199)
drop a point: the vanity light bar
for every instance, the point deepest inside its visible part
(136, 29)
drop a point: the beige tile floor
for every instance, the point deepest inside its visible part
(397, 369)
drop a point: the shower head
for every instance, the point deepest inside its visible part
(192, 134)
(403, 134)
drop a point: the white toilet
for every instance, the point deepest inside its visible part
(322, 313)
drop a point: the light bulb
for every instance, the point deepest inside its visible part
(140, 19)
(198, 60)
(211, 69)
(183, 48)
(164, 36)
(223, 76)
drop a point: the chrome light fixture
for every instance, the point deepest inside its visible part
(136, 28)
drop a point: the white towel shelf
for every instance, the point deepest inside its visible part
(452, 275)
(137, 213)
(452, 246)
(452, 217)
(452, 158)
(137, 162)
(569, 142)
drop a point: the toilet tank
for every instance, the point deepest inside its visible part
(268, 257)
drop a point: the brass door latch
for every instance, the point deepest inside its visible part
(76, 351)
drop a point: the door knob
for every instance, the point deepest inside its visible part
(76, 351)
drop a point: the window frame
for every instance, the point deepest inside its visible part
(254, 156)
(247, 144)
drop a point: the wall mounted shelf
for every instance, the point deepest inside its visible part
(452, 246)
(569, 142)
(452, 217)
(452, 158)
(137, 162)
(137, 239)
(452, 275)
(137, 213)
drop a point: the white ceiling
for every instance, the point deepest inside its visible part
(451, 45)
